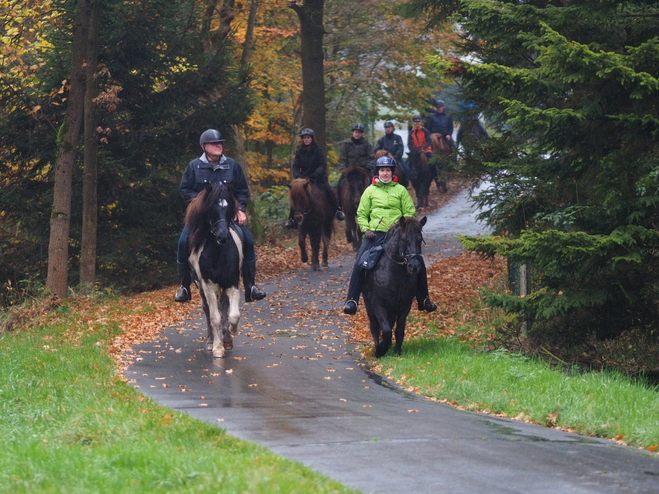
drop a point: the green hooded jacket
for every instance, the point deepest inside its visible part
(382, 205)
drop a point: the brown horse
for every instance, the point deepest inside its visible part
(314, 219)
(356, 181)
(444, 153)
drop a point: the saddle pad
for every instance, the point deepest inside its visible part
(369, 258)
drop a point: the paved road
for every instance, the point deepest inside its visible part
(291, 384)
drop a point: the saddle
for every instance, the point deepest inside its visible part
(369, 258)
(239, 231)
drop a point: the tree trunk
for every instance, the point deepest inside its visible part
(67, 140)
(248, 45)
(314, 110)
(90, 173)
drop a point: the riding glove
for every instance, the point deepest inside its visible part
(369, 234)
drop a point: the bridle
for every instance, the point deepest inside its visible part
(407, 257)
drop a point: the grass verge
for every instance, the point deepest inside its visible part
(69, 424)
(605, 404)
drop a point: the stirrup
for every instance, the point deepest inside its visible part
(183, 294)
(254, 294)
(428, 306)
(350, 308)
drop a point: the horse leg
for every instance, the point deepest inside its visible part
(326, 241)
(204, 303)
(400, 332)
(233, 294)
(382, 326)
(227, 340)
(314, 240)
(301, 241)
(214, 319)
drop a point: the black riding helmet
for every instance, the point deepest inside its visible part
(358, 126)
(210, 135)
(307, 132)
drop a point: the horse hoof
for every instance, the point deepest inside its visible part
(315, 267)
(326, 265)
(228, 345)
(218, 354)
(209, 346)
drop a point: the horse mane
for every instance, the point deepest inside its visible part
(300, 188)
(405, 226)
(196, 216)
(381, 153)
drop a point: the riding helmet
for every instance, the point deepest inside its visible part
(307, 132)
(416, 118)
(358, 126)
(210, 135)
(388, 124)
(439, 102)
(385, 161)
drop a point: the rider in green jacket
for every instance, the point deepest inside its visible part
(382, 204)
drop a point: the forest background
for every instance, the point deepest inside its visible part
(161, 73)
(102, 103)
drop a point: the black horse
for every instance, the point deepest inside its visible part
(314, 218)
(390, 287)
(356, 181)
(421, 176)
(216, 260)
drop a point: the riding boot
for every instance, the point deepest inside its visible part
(354, 291)
(183, 294)
(291, 224)
(252, 292)
(422, 296)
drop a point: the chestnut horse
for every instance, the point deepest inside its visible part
(314, 219)
(444, 154)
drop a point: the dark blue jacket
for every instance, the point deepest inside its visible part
(392, 143)
(440, 123)
(200, 172)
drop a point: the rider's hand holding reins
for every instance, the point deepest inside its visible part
(369, 234)
(241, 217)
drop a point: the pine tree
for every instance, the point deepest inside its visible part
(573, 89)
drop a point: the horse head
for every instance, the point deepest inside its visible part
(300, 199)
(221, 209)
(407, 237)
(357, 179)
(439, 144)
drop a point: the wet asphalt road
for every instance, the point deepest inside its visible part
(291, 383)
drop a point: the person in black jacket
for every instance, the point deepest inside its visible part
(440, 123)
(214, 167)
(309, 162)
(391, 142)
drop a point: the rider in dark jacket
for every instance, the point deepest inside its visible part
(440, 123)
(391, 142)
(214, 167)
(309, 162)
(356, 151)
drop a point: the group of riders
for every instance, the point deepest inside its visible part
(382, 203)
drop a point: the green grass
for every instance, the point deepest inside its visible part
(606, 404)
(69, 425)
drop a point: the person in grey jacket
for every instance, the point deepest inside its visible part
(213, 167)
